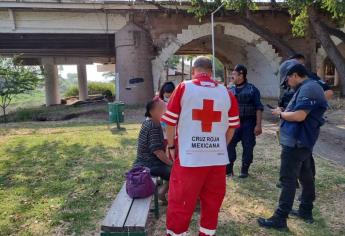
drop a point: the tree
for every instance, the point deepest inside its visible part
(173, 62)
(15, 79)
(305, 15)
(109, 75)
(242, 10)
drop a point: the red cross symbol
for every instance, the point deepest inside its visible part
(207, 115)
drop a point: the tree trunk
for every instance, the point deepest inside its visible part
(283, 48)
(329, 46)
(4, 114)
(334, 31)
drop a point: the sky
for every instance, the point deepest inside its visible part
(92, 74)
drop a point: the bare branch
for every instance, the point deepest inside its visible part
(334, 31)
(273, 39)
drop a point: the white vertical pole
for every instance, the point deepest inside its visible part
(213, 47)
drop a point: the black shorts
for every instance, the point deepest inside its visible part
(161, 170)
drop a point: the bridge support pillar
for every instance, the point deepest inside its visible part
(52, 85)
(134, 50)
(82, 82)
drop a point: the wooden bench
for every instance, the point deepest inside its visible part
(128, 216)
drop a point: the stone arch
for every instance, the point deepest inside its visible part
(197, 31)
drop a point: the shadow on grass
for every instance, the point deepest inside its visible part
(257, 196)
(64, 186)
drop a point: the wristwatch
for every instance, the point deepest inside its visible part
(171, 147)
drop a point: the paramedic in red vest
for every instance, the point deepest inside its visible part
(206, 115)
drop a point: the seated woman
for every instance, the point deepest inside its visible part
(151, 149)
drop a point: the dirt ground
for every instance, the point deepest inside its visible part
(331, 142)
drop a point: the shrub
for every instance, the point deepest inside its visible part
(93, 88)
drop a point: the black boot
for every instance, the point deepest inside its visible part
(230, 169)
(307, 217)
(275, 222)
(244, 171)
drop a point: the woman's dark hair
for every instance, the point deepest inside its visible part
(150, 105)
(167, 87)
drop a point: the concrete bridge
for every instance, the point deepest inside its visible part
(139, 37)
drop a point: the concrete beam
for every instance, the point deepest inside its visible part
(52, 85)
(82, 82)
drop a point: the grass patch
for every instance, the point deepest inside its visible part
(33, 98)
(257, 196)
(58, 178)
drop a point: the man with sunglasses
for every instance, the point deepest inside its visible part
(250, 106)
(299, 130)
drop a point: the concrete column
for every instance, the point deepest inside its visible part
(336, 78)
(52, 85)
(321, 70)
(134, 52)
(82, 82)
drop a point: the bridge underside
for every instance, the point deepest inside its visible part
(65, 48)
(81, 49)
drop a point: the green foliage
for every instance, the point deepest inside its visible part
(31, 98)
(16, 79)
(299, 11)
(219, 69)
(66, 83)
(335, 7)
(173, 62)
(300, 22)
(297, 8)
(201, 8)
(93, 88)
(109, 75)
(72, 91)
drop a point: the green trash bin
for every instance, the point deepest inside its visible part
(116, 112)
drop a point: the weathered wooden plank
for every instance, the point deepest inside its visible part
(137, 217)
(138, 214)
(118, 212)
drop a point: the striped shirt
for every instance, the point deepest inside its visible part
(150, 140)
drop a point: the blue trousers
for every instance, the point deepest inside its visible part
(246, 135)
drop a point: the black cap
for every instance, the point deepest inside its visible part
(289, 67)
(241, 69)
